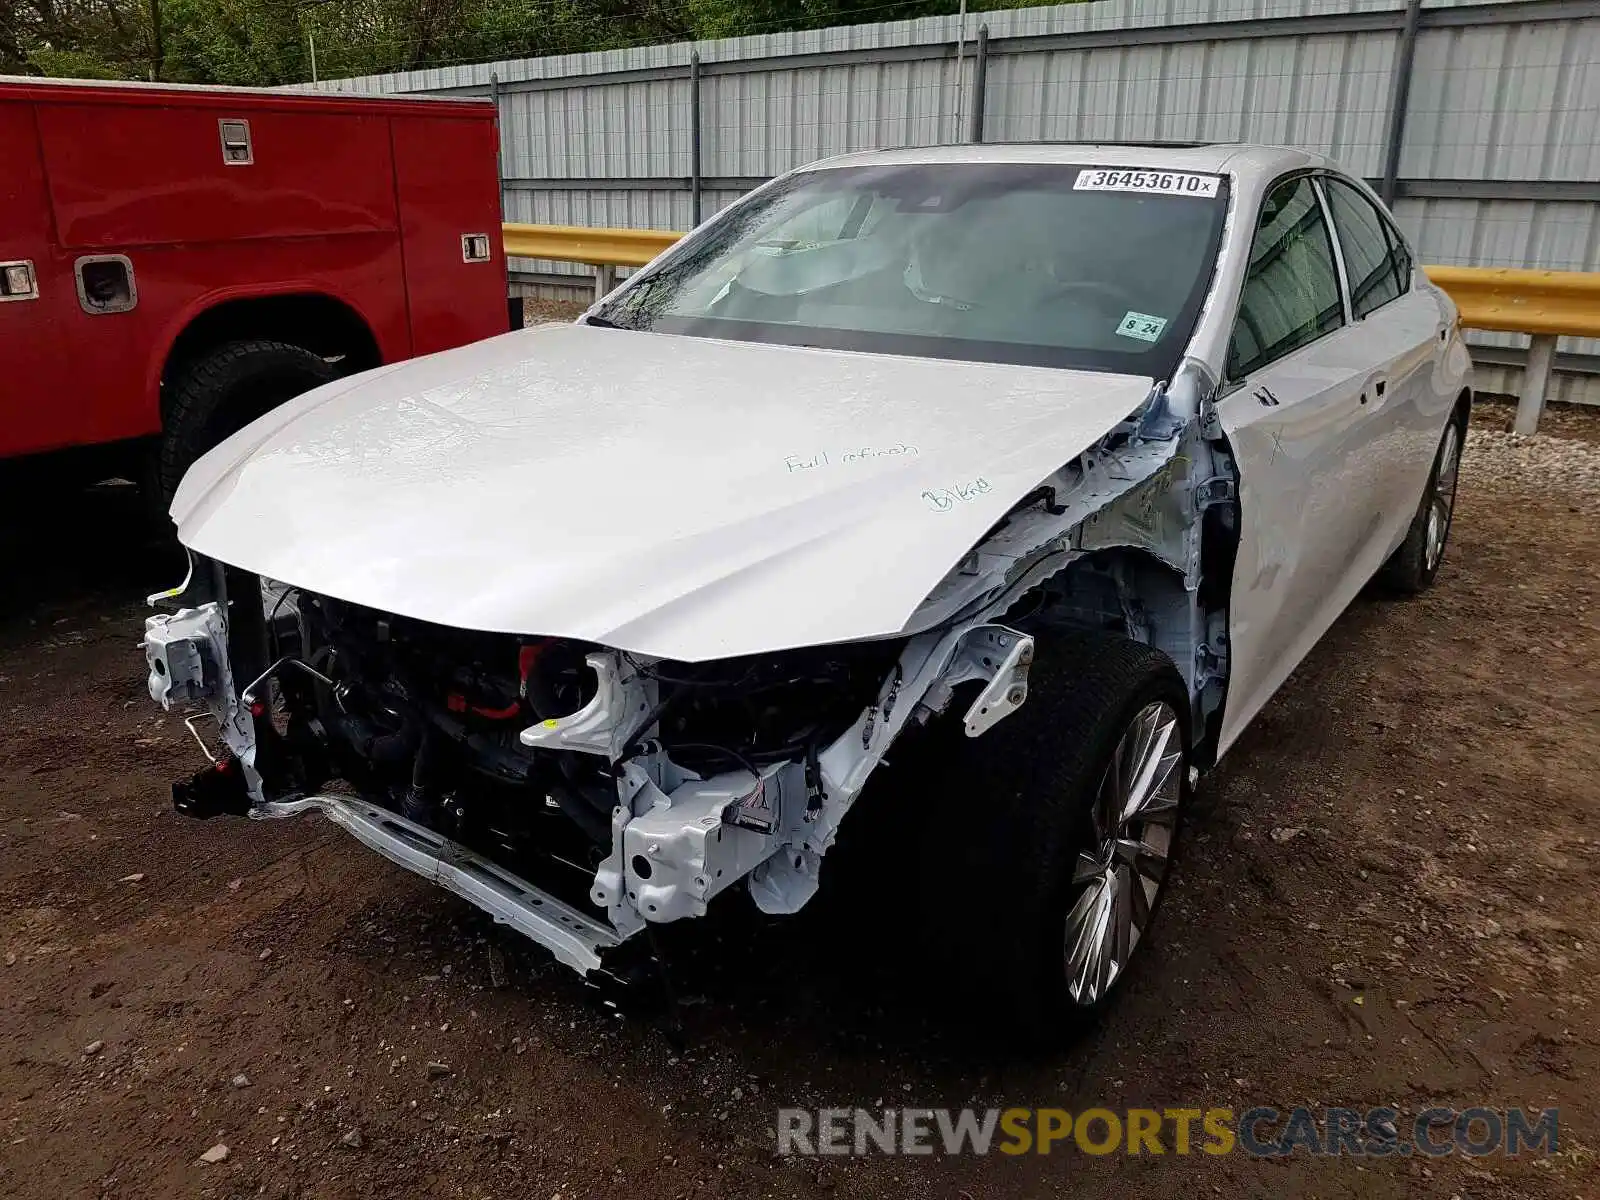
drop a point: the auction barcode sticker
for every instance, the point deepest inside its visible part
(1161, 183)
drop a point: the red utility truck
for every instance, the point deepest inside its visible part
(175, 261)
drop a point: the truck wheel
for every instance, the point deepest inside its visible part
(1048, 848)
(224, 391)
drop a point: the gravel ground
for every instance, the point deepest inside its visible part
(1390, 895)
(1560, 468)
(534, 311)
(1571, 422)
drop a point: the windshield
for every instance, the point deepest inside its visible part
(1043, 264)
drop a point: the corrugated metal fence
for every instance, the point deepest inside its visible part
(1482, 121)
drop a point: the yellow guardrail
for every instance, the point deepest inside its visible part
(578, 244)
(1520, 301)
(1546, 304)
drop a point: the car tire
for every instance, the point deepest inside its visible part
(1019, 816)
(1412, 567)
(219, 394)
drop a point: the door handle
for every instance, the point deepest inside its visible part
(18, 280)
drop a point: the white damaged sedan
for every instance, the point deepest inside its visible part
(1051, 462)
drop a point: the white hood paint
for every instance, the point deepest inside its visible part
(643, 491)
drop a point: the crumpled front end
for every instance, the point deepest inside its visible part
(581, 792)
(575, 792)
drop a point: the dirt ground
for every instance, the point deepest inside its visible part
(1389, 896)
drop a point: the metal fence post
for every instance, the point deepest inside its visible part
(499, 142)
(605, 278)
(1535, 382)
(980, 82)
(694, 137)
(1405, 57)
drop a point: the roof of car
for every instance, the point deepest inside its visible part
(1230, 158)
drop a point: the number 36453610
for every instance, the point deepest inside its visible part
(1166, 183)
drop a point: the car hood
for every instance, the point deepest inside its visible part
(674, 496)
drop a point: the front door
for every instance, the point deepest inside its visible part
(1296, 423)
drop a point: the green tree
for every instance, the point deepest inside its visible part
(263, 42)
(98, 39)
(256, 42)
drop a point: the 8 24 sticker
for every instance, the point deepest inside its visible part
(1161, 183)
(1142, 326)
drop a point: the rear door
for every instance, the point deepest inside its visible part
(1295, 421)
(1398, 326)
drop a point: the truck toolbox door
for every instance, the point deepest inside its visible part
(37, 304)
(447, 179)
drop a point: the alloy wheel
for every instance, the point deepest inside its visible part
(1119, 876)
(1442, 503)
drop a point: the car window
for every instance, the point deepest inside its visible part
(1045, 264)
(1291, 287)
(1403, 265)
(1370, 259)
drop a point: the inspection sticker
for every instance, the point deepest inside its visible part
(1142, 326)
(1161, 183)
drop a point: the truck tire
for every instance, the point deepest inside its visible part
(1020, 843)
(220, 393)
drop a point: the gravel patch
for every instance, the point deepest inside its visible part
(1579, 421)
(539, 312)
(1556, 467)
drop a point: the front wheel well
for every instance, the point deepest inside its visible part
(327, 327)
(1131, 592)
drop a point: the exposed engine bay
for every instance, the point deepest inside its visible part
(579, 792)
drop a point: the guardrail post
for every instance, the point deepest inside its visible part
(605, 278)
(499, 143)
(1535, 382)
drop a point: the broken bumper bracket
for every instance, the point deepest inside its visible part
(574, 937)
